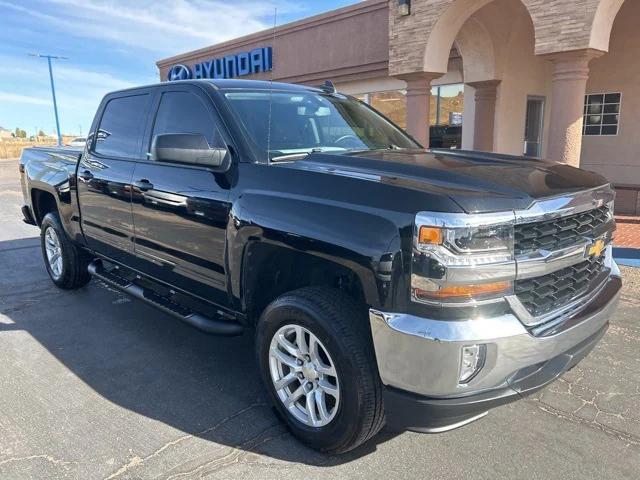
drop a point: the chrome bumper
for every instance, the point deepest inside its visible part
(423, 355)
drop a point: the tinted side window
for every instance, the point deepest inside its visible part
(122, 126)
(184, 112)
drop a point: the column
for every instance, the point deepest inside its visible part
(485, 113)
(418, 104)
(569, 83)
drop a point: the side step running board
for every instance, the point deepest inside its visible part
(206, 324)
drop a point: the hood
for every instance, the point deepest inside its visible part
(476, 181)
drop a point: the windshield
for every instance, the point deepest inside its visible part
(305, 122)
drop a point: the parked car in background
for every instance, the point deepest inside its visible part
(77, 142)
(382, 282)
(445, 136)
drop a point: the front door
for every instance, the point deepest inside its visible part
(533, 126)
(180, 211)
(105, 172)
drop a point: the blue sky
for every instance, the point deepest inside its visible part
(112, 44)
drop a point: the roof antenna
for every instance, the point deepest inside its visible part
(273, 43)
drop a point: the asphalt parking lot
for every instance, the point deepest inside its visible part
(94, 385)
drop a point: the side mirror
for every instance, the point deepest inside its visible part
(191, 148)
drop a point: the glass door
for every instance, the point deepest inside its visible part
(533, 125)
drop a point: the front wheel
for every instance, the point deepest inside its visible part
(317, 362)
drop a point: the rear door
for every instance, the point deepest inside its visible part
(180, 211)
(105, 171)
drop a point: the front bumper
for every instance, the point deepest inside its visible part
(419, 360)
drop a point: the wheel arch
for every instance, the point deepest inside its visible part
(270, 270)
(43, 203)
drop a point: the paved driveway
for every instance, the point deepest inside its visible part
(94, 385)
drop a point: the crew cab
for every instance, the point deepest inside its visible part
(384, 283)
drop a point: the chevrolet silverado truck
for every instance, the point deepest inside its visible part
(384, 283)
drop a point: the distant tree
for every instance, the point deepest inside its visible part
(20, 133)
(41, 133)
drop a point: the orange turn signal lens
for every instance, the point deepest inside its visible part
(430, 235)
(465, 291)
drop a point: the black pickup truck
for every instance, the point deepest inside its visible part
(383, 282)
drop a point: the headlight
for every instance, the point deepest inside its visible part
(471, 244)
(610, 209)
(458, 262)
(481, 239)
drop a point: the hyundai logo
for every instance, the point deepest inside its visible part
(179, 72)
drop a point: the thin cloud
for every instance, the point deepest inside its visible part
(163, 26)
(92, 79)
(78, 90)
(67, 75)
(112, 44)
(11, 97)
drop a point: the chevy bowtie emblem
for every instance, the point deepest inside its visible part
(596, 248)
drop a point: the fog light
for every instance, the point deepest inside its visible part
(472, 362)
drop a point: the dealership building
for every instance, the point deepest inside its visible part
(548, 78)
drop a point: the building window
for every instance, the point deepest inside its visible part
(391, 104)
(601, 113)
(446, 104)
(534, 126)
(446, 107)
(449, 104)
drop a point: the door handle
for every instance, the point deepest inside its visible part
(143, 185)
(86, 175)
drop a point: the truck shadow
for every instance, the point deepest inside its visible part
(149, 363)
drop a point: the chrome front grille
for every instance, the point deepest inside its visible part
(551, 292)
(560, 232)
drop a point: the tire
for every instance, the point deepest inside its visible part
(70, 272)
(341, 327)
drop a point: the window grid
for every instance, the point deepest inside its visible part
(601, 114)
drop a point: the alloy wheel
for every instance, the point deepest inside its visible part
(53, 249)
(304, 375)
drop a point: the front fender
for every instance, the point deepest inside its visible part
(364, 240)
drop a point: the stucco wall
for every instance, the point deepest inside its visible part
(468, 117)
(522, 73)
(617, 157)
(381, 84)
(510, 36)
(341, 45)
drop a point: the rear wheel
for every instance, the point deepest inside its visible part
(66, 263)
(317, 362)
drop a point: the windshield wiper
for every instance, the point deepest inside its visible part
(290, 156)
(299, 155)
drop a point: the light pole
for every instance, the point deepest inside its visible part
(53, 89)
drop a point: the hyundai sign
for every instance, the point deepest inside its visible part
(245, 63)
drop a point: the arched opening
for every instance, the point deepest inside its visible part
(505, 83)
(443, 34)
(476, 48)
(602, 25)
